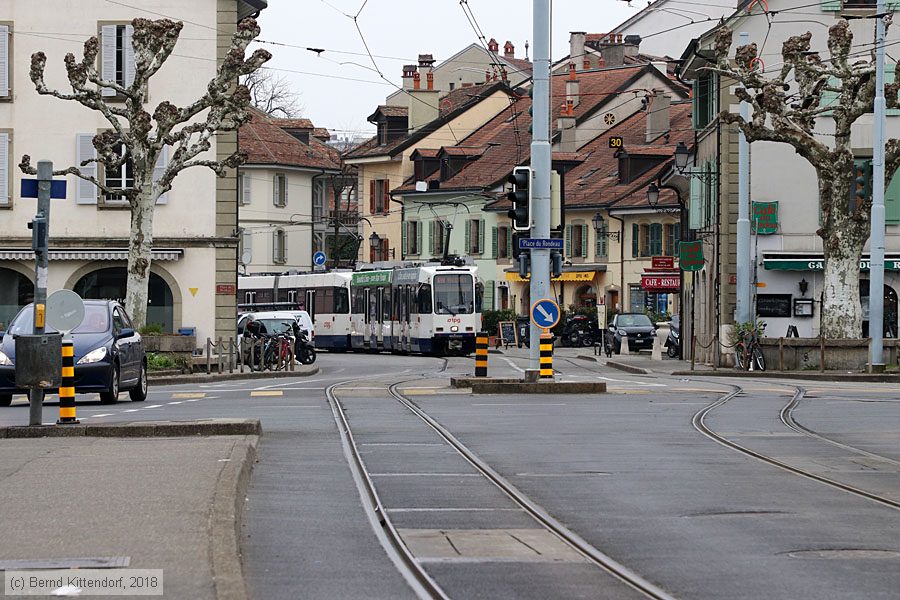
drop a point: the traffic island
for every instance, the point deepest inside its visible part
(207, 427)
(482, 385)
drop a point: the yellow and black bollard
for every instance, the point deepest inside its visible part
(67, 387)
(481, 354)
(546, 355)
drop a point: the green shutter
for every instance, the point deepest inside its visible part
(889, 78)
(487, 302)
(430, 237)
(635, 240)
(695, 104)
(892, 201)
(831, 5)
(830, 98)
(655, 239)
(468, 249)
(584, 241)
(694, 209)
(509, 243)
(494, 236)
(480, 236)
(892, 5)
(419, 237)
(404, 234)
(602, 241)
(568, 241)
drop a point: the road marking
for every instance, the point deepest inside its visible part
(131, 410)
(266, 393)
(152, 406)
(287, 385)
(189, 395)
(521, 404)
(644, 383)
(510, 363)
(193, 400)
(103, 415)
(177, 402)
(402, 444)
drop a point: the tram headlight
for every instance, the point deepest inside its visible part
(454, 329)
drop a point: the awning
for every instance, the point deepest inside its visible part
(568, 276)
(816, 262)
(120, 254)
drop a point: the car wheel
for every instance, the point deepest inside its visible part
(5, 399)
(139, 392)
(112, 396)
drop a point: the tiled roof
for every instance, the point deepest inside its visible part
(294, 123)
(426, 152)
(462, 150)
(266, 143)
(520, 64)
(390, 111)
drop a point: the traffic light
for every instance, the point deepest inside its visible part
(861, 188)
(38, 229)
(524, 264)
(520, 196)
(556, 264)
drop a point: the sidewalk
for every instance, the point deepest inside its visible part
(149, 503)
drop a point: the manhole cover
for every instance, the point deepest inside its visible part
(845, 554)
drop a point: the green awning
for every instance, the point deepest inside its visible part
(818, 264)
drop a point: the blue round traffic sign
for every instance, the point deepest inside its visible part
(319, 258)
(545, 313)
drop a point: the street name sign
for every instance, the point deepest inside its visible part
(540, 244)
(57, 189)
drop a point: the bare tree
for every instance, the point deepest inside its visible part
(786, 116)
(273, 94)
(188, 130)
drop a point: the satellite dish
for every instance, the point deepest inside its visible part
(65, 310)
(246, 257)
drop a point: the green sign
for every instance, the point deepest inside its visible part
(765, 217)
(690, 255)
(818, 264)
(372, 278)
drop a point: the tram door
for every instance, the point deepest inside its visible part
(407, 293)
(311, 304)
(380, 309)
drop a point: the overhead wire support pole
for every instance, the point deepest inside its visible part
(742, 255)
(876, 239)
(540, 164)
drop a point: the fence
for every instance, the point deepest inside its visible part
(257, 353)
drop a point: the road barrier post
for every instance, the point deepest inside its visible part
(67, 386)
(546, 355)
(481, 354)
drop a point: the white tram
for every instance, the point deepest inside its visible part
(429, 309)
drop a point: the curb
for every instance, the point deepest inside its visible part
(302, 371)
(628, 368)
(587, 358)
(225, 521)
(137, 429)
(517, 386)
(816, 376)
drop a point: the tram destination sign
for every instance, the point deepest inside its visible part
(540, 244)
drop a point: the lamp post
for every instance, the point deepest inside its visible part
(682, 155)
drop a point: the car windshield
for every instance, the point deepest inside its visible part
(634, 321)
(454, 294)
(96, 320)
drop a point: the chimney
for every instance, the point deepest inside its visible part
(416, 80)
(423, 103)
(576, 46)
(572, 87)
(613, 54)
(632, 45)
(493, 46)
(658, 115)
(509, 51)
(661, 66)
(430, 79)
(566, 126)
(409, 72)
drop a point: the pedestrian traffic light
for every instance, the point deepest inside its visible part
(556, 264)
(520, 197)
(38, 229)
(861, 188)
(524, 264)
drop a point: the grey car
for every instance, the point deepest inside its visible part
(637, 326)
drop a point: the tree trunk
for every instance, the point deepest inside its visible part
(139, 255)
(841, 310)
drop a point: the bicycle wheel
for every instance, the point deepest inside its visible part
(758, 358)
(739, 357)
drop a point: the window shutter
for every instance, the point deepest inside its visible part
(385, 248)
(695, 104)
(419, 237)
(386, 201)
(161, 161)
(584, 241)
(275, 190)
(85, 191)
(284, 245)
(831, 5)
(635, 240)
(487, 302)
(431, 237)
(509, 243)
(4, 61)
(468, 237)
(372, 197)
(655, 239)
(892, 5)
(494, 240)
(247, 238)
(694, 211)
(247, 185)
(480, 236)
(602, 241)
(108, 57)
(129, 55)
(404, 239)
(568, 241)
(284, 190)
(4, 169)
(830, 98)
(891, 201)
(275, 257)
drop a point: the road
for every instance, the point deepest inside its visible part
(645, 474)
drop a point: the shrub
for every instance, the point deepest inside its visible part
(490, 320)
(152, 329)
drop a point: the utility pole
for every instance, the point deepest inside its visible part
(40, 245)
(876, 239)
(743, 308)
(540, 163)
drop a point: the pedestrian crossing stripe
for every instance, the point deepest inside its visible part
(183, 395)
(266, 393)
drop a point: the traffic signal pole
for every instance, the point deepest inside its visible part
(540, 164)
(40, 244)
(876, 240)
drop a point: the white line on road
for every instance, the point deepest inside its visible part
(103, 415)
(521, 404)
(131, 410)
(510, 363)
(153, 406)
(176, 402)
(644, 383)
(287, 385)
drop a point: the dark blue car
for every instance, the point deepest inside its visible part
(109, 354)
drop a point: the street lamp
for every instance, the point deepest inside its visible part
(653, 195)
(682, 154)
(374, 240)
(599, 226)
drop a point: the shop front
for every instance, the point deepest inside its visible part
(571, 288)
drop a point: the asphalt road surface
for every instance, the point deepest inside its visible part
(630, 472)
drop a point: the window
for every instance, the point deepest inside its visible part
(117, 56)
(319, 201)
(279, 246)
(381, 252)
(705, 101)
(379, 196)
(280, 190)
(244, 181)
(576, 242)
(503, 242)
(5, 170)
(672, 235)
(438, 231)
(412, 237)
(5, 62)
(120, 177)
(454, 294)
(475, 236)
(838, 5)
(602, 249)
(424, 300)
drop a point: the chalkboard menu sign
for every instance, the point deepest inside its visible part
(508, 333)
(773, 305)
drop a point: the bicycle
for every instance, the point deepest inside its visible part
(747, 351)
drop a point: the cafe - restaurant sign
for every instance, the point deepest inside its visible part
(765, 217)
(690, 255)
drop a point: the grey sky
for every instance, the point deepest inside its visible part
(396, 31)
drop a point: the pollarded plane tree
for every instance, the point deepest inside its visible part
(785, 107)
(186, 132)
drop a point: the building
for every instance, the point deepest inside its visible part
(787, 263)
(193, 274)
(286, 193)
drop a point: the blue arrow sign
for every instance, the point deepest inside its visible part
(540, 244)
(545, 313)
(319, 258)
(57, 189)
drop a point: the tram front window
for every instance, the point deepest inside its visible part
(454, 294)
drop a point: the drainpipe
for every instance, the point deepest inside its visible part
(621, 260)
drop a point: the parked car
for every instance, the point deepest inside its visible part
(109, 353)
(277, 321)
(638, 328)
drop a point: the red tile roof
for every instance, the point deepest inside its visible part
(266, 143)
